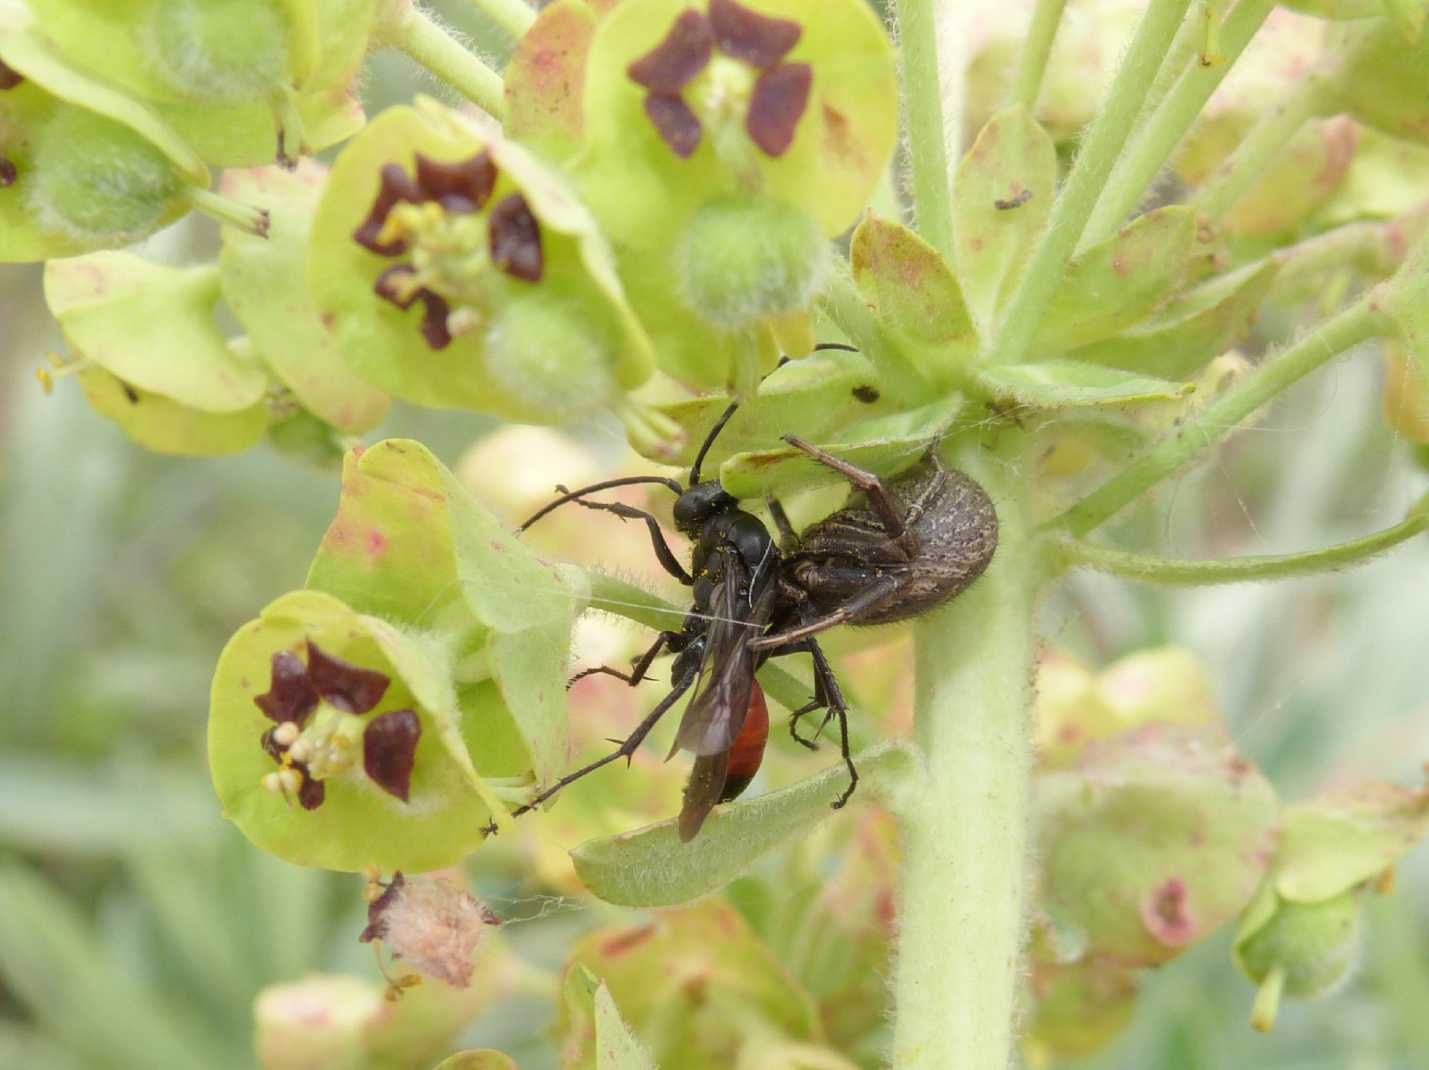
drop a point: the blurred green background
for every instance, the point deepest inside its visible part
(136, 926)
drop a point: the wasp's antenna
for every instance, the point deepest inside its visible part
(709, 441)
(572, 495)
(729, 412)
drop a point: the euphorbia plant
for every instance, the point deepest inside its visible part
(681, 197)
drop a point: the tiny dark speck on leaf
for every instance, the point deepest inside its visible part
(866, 394)
(129, 392)
(1017, 201)
(8, 173)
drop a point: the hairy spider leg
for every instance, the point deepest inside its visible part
(827, 696)
(877, 589)
(625, 750)
(878, 496)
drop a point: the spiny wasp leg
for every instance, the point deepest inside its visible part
(639, 667)
(625, 750)
(662, 549)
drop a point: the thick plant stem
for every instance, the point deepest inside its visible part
(965, 839)
(1074, 553)
(1331, 338)
(1103, 143)
(923, 121)
(416, 33)
(1032, 62)
(1266, 140)
(513, 16)
(1158, 137)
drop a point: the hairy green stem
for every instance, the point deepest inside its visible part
(1077, 553)
(1261, 146)
(1032, 62)
(1158, 137)
(1331, 338)
(1100, 148)
(424, 39)
(923, 122)
(513, 16)
(1375, 249)
(965, 842)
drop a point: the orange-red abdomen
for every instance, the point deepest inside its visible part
(747, 750)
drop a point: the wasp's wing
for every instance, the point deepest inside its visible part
(706, 785)
(716, 713)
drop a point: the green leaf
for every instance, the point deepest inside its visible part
(813, 396)
(1118, 283)
(264, 284)
(915, 295)
(615, 1046)
(1198, 325)
(1014, 164)
(1336, 841)
(652, 867)
(884, 445)
(153, 327)
(1059, 384)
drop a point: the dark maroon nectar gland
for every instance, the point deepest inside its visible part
(320, 710)
(9, 77)
(432, 221)
(772, 95)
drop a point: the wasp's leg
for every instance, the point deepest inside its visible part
(668, 560)
(878, 496)
(876, 588)
(638, 669)
(625, 750)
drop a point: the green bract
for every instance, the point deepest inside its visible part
(239, 79)
(87, 167)
(417, 586)
(153, 359)
(520, 313)
(1153, 839)
(263, 283)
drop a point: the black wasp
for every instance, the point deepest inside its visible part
(894, 550)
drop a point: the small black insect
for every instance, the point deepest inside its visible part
(893, 551)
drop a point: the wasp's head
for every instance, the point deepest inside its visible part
(695, 506)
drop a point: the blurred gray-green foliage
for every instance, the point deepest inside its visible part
(136, 927)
